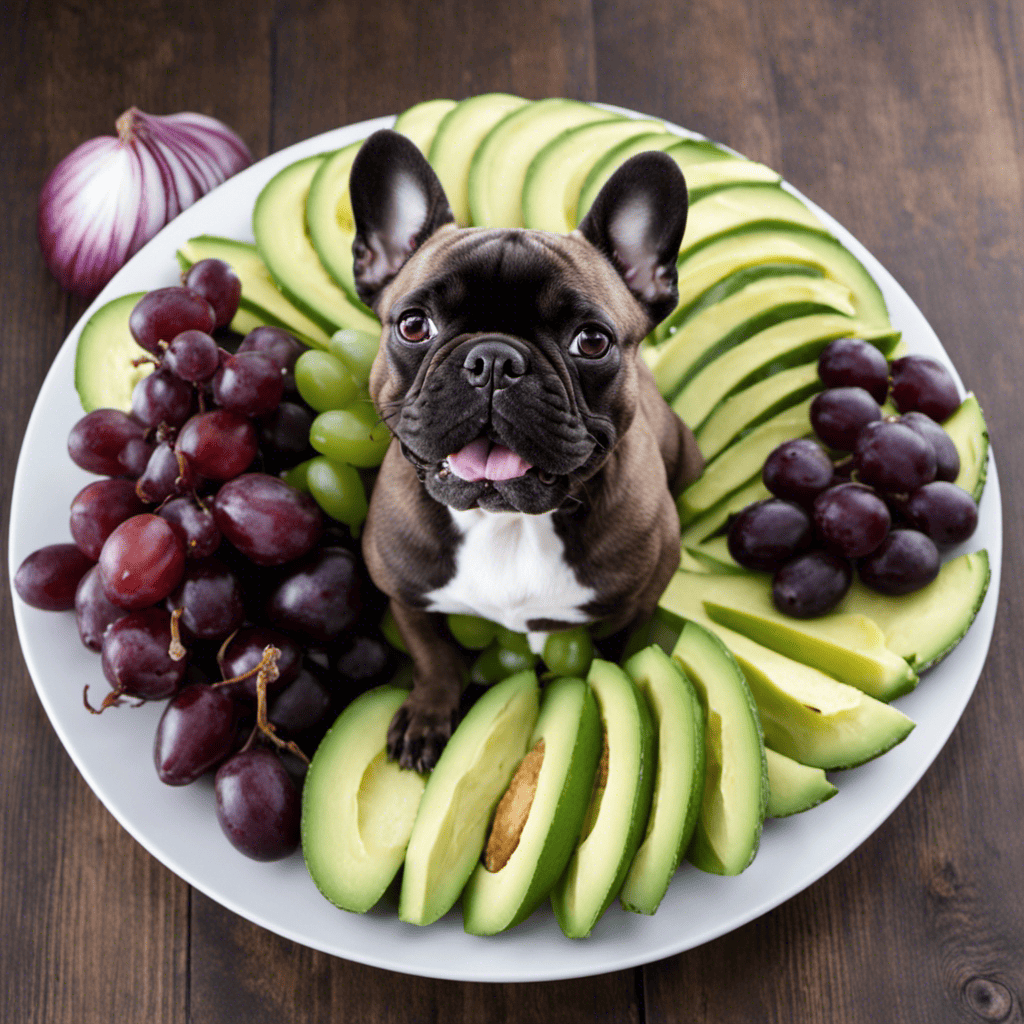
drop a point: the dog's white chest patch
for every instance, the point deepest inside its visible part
(511, 568)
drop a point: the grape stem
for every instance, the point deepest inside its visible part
(177, 650)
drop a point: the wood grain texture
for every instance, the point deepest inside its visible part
(902, 119)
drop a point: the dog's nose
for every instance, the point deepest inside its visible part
(496, 361)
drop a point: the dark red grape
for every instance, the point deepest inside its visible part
(98, 438)
(218, 444)
(855, 363)
(136, 661)
(363, 659)
(947, 459)
(905, 561)
(769, 533)
(168, 473)
(304, 704)
(797, 471)
(97, 509)
(245, 651)
(161, 315)
(248, 383)
(839, 414)
(851, 519)
(279, 346)
(196, 732)
(924, 385)
(320, 597)
(942, 511)
(194, 525)
(134, 457)
(285, 432)
(269, 521)
(93, 612)
(49, 577)
(141, 562)
(218, 283)
(161, 397)
(210, 599)
(811, 584)
(893, 458)
(258, 805)
(193, 356)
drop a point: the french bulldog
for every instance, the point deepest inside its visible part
(531, 475)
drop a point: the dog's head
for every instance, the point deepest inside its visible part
(507, 366)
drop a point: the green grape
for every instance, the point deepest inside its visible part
(389, 630)
(497, 663)
(512, 641)
(297, 476)
(472, 632)
(569, 652)
(338, 490)
(357, 350)
(324, 381)
(354, 435)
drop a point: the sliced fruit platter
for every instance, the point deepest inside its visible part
(741, 722)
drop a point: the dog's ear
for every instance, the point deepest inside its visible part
(397, 202)
(637, 222)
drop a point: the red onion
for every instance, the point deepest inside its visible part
(110, 196)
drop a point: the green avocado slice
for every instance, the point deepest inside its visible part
(358, 807)
(279, 225)
(846, 645)
(794, 787)
(806, 714)
(969, 432)
(923, 627)
(105, 370)
(678, 781)
(463, 789)
(420, 122)
(735, 796)
(618, 808)
(559, 771)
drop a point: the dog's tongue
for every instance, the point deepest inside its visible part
(483, 460)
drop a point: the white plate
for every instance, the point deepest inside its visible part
(179, 827)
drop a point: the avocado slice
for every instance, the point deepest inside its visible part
(805, 714)
(331, 223)
(499, 165)
(788, 344)
(848, 646)
(279, 225)
(105, 374)
(703, 179)
(460, 132)
(735, 795)
(742, 462)
(749, 311)
(551, 188)
(969, 432)
(678, 781)
(756, 244)
(463, 789)
(618, 808)
(715, 521)
(712, 555)
(538, 819)
(923, 627)
(420, 122)
(794, 787)
(260, 296)
(358, 807)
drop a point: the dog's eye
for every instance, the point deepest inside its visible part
(416, 326)
(591, 342)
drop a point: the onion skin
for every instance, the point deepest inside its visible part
(111, 195)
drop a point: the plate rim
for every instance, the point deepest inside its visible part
(489, 968)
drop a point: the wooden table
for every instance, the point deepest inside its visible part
(903, 120)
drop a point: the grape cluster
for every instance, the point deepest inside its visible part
(876, 493)
(204, 578)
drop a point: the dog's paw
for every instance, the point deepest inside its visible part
(419, 731)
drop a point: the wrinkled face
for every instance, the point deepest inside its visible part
(507, 365)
